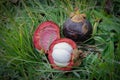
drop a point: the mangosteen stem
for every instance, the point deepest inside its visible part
(88, 49)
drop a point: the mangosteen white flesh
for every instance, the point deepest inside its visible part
(61, 64)
(63, 45)
(61, 55)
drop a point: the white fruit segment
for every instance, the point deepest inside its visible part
(63, 45)
(61, 55)
(61, 64)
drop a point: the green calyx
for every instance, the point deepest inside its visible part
(77, 17)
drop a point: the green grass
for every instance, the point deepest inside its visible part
(20, 61)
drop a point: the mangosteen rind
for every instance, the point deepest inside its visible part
(74, 31)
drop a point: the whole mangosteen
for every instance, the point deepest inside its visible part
(77, 27)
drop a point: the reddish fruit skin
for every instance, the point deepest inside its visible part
(41, 35)
(74, 31)
(71, 64)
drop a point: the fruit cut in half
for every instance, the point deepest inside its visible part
(45, 34)
(55, 64)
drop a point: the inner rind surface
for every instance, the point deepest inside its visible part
(48, 35)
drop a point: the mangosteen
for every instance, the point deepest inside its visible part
(77, 27)
(45, 34)
(63, 54)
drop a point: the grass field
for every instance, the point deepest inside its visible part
(19, 60)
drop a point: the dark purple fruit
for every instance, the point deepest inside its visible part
(77, 27)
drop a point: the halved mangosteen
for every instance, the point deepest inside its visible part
(61, 54)
(45, 34)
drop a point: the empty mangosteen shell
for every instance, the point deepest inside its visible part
(74, 30)
(46, 33)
